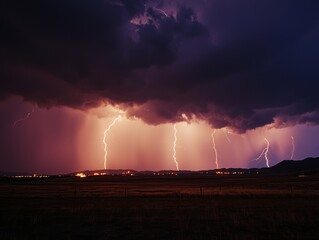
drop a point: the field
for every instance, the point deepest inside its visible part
(160, 207)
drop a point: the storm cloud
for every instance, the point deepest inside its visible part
(237, 64)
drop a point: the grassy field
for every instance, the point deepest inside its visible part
(160, 207)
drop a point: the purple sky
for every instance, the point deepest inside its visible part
(246, 67)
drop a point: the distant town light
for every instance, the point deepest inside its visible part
(81, 175)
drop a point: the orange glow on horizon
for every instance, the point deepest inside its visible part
(72, 141)
(136, 145)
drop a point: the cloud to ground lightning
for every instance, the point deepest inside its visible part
(174, 147)
(215, 149)
(265, 153)
(105, 135)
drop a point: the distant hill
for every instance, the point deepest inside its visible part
(293, 166)
(307, 166)
(11, 174)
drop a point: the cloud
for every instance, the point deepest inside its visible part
(234, 64)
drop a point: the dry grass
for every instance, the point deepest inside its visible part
(160, 208)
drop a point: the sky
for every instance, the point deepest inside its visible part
(175, 71)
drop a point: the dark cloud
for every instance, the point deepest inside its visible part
(240, 64)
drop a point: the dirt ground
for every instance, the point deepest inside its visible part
(160, 207)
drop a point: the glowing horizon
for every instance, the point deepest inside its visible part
(68, 140)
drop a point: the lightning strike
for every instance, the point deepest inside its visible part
(260, 156)
(184, 116)
(174, 147)
(161, 11)
(226, 135)
(265, 153)
(215, 149)
(293, 147)
(104, 137)
(23, 119)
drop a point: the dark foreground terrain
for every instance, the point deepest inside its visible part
(160, 207)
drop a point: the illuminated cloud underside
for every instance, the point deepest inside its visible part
(67, 140)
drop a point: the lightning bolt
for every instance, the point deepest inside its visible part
(174, 147)
(23, 119)
(104, 137)
(229, 132)
(215, 149)
(265, 153)
(293, 147)
(161, 11)
(226, 135)
(184, 116)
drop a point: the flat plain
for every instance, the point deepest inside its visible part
(160, 207)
